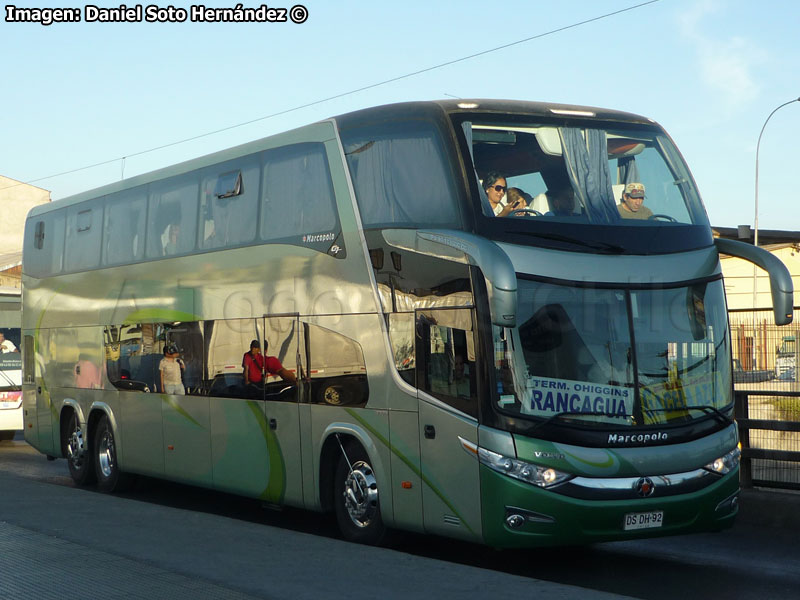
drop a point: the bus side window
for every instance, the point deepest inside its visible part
(229, 204)
(172, 216)
(445, 344)
(336, 368)
(401, 336)
(297, 194)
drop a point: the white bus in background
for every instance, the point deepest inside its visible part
(10, 364)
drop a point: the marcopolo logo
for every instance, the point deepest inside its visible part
(636, 438)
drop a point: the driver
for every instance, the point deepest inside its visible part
(631, 206)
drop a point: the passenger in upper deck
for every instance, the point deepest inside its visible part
(632, 206)
(517, 199)
(171, 247)
(562, 203)
(495, 186)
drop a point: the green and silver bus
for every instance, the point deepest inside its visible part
(558, 375)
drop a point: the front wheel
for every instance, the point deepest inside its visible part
(7, 435)
(78, 453)
(356, 501)
(109, 476)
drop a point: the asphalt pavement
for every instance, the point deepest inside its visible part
(58, 541)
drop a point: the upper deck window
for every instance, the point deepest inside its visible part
(401, 175)
(123, 239)
(44, 244)
(229, 204)
(172, 216)
(297, 194)
(559, 179)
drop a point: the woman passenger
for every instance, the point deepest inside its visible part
(494, 184)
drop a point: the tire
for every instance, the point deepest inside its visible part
(77, 450)
(109, 476)
(7, 436)
(356, 500)
(333, 395)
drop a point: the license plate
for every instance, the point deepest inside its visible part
(643, 520)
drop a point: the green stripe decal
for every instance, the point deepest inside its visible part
(158, 315)
(276, 486)
(410, 465)
(173, 404)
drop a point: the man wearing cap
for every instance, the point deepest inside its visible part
(256, 364)
(631, 205)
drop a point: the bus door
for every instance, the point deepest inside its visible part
(282, 347)
(448, 409)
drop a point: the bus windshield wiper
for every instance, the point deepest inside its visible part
(594, 245)
(722, 417)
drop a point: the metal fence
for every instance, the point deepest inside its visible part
(769, 431)
(767, 396)
(758, 344)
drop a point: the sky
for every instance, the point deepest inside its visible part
(73, 95)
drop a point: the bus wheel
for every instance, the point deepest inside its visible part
(109, 476)
(6, 436)
(334, 395)
(356, 500)
(78, 453)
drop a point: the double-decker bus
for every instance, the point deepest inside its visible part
(560, 374)
(10, 364)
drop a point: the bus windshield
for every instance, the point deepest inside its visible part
(626, 357)
(597, 173)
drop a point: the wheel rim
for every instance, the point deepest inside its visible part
(332, 396)
(105, 454)
(76, 449)
(361, 494)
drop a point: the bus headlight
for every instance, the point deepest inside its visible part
(518, 469)
(725, 464)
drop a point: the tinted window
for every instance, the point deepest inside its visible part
(125, 214)
(298, 197)
(229, 204)
(172, 216)
(44, 244)
(401, 175)
(84, 233)
(446, 351)
(336, 368)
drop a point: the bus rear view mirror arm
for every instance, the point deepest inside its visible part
(780, 281)
(496, 266)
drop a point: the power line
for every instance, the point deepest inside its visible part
(343, 94)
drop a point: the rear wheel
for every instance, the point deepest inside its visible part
(78, 453)
(7, 435)
(109, 476)
(356, 501)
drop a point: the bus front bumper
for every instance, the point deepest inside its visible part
(517, 514)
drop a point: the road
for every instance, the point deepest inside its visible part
(173, 539)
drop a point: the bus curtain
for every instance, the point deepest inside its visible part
(587, 165)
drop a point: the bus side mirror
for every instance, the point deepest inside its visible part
(494, 263)
(780, 281)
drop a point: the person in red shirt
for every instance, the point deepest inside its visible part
(256, 365)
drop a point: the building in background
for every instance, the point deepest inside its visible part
(16, 199)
